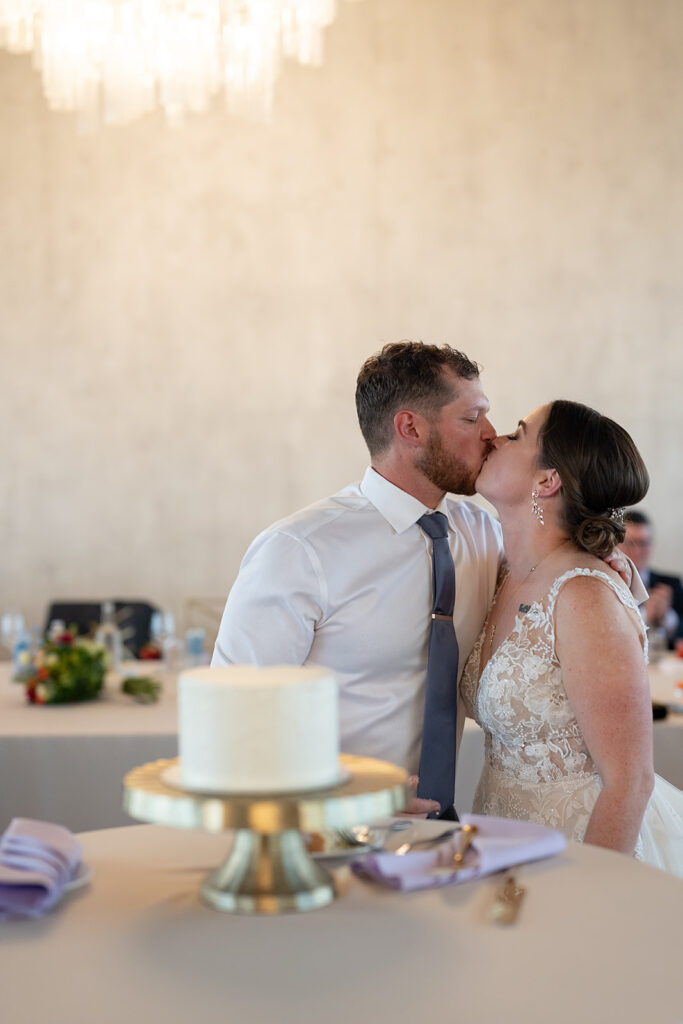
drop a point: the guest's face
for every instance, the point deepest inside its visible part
(507, 476)
(459, 440)
(638, 544)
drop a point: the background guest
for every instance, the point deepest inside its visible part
(664, 608)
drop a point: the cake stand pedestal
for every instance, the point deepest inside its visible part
(268, 869)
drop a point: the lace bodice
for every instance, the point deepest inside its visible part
(537, 765)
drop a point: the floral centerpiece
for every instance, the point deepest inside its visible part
(65, 668)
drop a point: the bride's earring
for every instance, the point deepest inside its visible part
(536, 508)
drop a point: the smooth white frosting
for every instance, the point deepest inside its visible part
(243, 729)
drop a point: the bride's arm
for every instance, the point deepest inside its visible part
(605, 677)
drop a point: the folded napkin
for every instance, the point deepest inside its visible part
(37, 859)
(500, 843)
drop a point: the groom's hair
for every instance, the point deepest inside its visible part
(405, 375)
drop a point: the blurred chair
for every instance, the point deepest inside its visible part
(205, 613)
(84, 615)
(132, 617)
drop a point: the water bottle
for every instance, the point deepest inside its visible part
(16, 639)
(163, 635)
(109, 635)
(194, 647)
(21, 654)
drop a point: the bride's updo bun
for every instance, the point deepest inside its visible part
(599, 535)
(601, 472)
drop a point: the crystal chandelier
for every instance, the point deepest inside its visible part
(114, 60)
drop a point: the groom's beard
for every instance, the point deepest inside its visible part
(444, 469)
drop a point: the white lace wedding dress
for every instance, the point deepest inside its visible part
(537, 766)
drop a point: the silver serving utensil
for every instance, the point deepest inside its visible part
(429, 840)
(357, 836)
(365, 835)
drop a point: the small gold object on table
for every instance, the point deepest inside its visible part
(507, 901)
(268, 870)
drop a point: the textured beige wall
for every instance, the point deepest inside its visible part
(182, 313)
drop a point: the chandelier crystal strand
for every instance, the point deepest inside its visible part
(115, 60)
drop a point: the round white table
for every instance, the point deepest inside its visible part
(597, 939)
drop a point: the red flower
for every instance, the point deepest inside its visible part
(65, 638)
(31, 692)
(150, 652)
(43, 673)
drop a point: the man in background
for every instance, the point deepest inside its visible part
(664, 607)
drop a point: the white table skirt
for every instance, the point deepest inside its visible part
(66, 763)
(598, 939)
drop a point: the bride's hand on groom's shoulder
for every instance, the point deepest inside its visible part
(418, 806)
(621, 565)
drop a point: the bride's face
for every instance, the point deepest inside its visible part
(507, 476)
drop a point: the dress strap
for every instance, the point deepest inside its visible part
(624, 595)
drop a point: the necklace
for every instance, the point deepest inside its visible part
(490, 629)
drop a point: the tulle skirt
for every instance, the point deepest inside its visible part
(660, 841)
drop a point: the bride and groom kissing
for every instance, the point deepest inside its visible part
(542, 633)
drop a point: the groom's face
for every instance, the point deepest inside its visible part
(460, 438)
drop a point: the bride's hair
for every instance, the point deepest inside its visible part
(601, 471)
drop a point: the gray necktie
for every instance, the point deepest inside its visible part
(437, 759)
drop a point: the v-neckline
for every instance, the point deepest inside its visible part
(506, 638)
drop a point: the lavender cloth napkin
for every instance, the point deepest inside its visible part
(500, 843)
(37, 859)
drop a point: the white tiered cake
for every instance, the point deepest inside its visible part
(243, 729)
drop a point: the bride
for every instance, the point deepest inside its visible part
(557, 678)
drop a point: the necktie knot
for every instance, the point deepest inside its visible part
(435, 524)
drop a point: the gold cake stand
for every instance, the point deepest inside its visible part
(268, 869)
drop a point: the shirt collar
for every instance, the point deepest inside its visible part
(400, 509)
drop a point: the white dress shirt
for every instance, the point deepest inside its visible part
(346, 583)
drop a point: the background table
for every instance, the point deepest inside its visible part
(668, 733)
(66, 763)
(598, 938)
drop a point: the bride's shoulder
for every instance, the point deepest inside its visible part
(589, 585)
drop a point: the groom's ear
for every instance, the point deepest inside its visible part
(548, 483)
(410, 427)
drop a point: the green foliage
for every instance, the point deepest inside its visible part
(65, 669)
(142, 689)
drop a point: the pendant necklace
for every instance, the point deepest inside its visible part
(490, 629)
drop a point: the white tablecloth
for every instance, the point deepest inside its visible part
(598, 939)
(66, 763)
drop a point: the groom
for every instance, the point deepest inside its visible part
(348, 582)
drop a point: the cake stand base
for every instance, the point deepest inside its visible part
(268, 874)
(268, 869)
